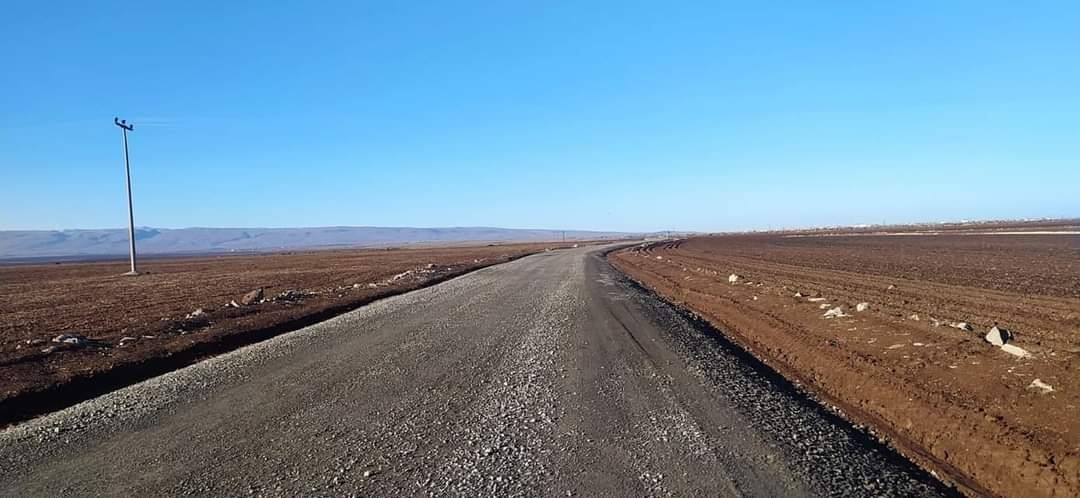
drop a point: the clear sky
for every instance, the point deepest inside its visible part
(615, 115)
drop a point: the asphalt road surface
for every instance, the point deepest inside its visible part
(550, 376)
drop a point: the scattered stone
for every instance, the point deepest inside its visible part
(965, 326)
(824, 306)
(815, 299)
(998, 336)
(891, 287)
(798, 294)
(935, 322)
(195, 314)
(836, 312)
(74, 340)
(1015, 350)
(372, 285)
(35, 342)
(232, 304)
(659, 258)
(291, 295)
(252, 297)
(732, 278)
(369, 473)
(1040, 385)
(862, 307)
(356, 286)
(914, 316)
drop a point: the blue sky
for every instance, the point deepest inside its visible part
(585, 115)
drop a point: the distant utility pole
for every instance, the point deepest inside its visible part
(125, 127)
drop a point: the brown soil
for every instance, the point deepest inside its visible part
(40, 302)
(943, 396)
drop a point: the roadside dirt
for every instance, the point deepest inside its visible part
(136, 327)
(943, 396)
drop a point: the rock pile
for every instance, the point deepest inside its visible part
(253, 297)
(72, 339)
(292, 296)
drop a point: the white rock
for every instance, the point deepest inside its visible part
(195, 314)
(75, 340)
(862, 307)
(798, 294)
(824, 306)
(732, 278)
(836, 312)
(1015, 351)
(815, 299)
(659, 258)
(891, 286)
(998, 336)
(965, 326)
(1038, 384)
(914, 316)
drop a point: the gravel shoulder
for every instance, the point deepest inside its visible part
(552, 375)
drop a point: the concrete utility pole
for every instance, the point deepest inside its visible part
(125, 127)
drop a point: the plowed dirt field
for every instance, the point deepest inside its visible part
(136, 327)
(953, 402)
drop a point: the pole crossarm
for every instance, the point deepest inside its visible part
(123, 124)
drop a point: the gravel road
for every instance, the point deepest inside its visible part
(552, 375)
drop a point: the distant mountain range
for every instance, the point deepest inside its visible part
(81, 244)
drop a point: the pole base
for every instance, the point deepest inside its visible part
(131, 274)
